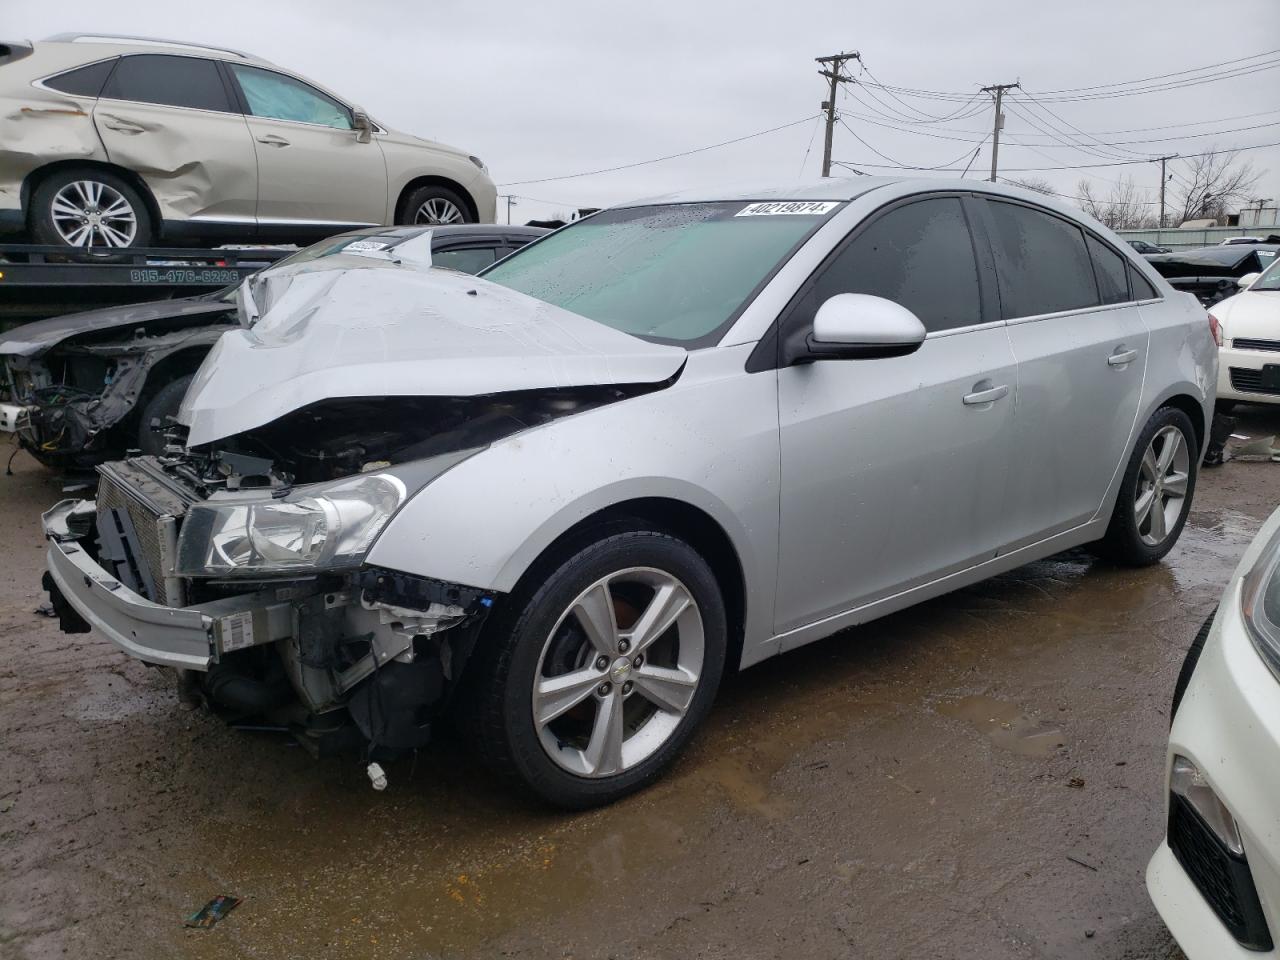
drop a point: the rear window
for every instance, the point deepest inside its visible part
(168, 80)
(1142, 288)
(1041, 261)
(1113, 282)
(83, 81)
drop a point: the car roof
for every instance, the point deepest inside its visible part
(99, 45)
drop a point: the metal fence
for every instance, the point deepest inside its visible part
(1176, 239)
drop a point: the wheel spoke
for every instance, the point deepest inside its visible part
(1172, 441)
(120, 210)
(61, 207)
(669, 601)
(594, 612)
(1142, 507)
(555, 696)
(82, 188)
(604, 750)
(76, 236)
(1149, 464)
(1175, 484)
(1158, 529)
(113, 236)
(668, 690)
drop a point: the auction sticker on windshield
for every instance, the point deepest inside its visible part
(774, 208)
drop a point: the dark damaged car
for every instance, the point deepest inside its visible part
(87, 387)
(1210, 273)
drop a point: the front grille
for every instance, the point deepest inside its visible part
(139, 490)
(1245, 343)
(1222, 878)
(1250, 381)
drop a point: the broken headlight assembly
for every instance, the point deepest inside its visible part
(1260, 603)
(325, 526)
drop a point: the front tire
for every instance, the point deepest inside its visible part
(435, 205)
(599, 674)
(1155, 492)
(82, 207)
(162, 406)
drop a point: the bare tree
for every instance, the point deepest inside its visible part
(1207, 185)
(1034, 184)
(1124, 208)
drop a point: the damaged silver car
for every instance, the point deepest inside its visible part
(676, 438)
(87, 387)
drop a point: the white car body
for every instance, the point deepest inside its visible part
(1228, 726)
(1249, 327)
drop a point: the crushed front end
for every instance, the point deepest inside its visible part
(342, 654)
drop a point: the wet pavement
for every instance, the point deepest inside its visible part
(980, 776)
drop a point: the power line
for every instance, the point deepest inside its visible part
(1162, 76)
(671, 156)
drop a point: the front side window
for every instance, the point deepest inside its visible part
(1109, 267)
(920, 256)
(1041, 262)
(676, 273)
(277, 97)
(83, 81)
(168, 80)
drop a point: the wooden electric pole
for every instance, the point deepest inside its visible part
(834, 72)
(1163, 180)
(998, 90)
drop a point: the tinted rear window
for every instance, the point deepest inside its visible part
(1109, 266)
(1142, 288)
(1041, 262)
(83, 81)
(171, 81)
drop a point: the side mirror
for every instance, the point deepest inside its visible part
(857, 326)
(1247, 280)
(363, 126)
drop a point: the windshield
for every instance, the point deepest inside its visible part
(676, 274)
(1270, 279)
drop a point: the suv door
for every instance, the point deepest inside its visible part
(171, 120)
(1081, 346)
(893, 470)
(312, 169)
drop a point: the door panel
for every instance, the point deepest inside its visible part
(170, 119)
(311, 165)
(889, 478)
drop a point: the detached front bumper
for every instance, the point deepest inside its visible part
(172, 637)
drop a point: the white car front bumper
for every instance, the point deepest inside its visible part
(1228, 725)
(1245, 383)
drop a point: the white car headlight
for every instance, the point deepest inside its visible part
(324, 526)
(1260, 603)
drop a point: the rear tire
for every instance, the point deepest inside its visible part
(545, 691)
(79, 206)
(1155, 491)
(163, 404)
(435, 205)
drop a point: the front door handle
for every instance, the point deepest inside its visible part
(272, 140)
(986, 394)
(1121, 357)
(122, 126)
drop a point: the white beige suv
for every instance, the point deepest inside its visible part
(121, 141)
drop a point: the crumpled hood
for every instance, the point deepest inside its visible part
(391, 332)
(33, 339)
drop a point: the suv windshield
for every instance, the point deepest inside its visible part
(677, 273)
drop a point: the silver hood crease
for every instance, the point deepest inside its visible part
(391, 332)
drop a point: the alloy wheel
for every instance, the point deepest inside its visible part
(1162, 485)
(618, 672)
(438, 210)
(87, 213)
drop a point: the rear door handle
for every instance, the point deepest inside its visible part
(122, 126)
(985, 395)
(1121, 357)
(273, 141)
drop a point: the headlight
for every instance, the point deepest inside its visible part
(324, 526)
(1260, 603)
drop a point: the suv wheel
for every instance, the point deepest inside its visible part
(435, 205)
(594, 681)
(86, 207)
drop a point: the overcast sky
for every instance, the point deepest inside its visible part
(562, 86)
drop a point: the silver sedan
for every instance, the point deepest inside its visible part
(673, 439)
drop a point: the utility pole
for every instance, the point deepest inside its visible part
(1163, 180)
(511, 202)
(998, 89)
(835, 73)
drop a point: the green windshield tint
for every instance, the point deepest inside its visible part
(676, 274)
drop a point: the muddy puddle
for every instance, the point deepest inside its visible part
(1005, 725)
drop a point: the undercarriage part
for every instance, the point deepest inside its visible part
(69, 620)
(247, 688)
(393, 708)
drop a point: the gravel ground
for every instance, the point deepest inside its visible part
(978, 777)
